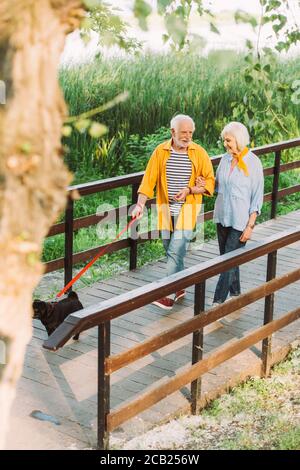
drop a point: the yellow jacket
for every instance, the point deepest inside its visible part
(155, 175)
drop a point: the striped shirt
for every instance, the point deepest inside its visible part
(179, 171)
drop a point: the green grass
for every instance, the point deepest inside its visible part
(159, 86)
(260, 414)
(264, 407)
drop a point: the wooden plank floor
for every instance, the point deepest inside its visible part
(63, 384)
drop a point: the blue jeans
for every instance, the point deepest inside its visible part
(175, 244)
(229, 240)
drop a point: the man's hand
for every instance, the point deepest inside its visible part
(246, 235)
(137, 212)
(182, 194)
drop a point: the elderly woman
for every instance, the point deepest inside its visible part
(240, 190)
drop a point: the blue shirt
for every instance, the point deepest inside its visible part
(238, 195)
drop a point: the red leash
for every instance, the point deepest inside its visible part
(101, 253)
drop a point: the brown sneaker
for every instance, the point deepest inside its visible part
(179, 295)
(164, 303)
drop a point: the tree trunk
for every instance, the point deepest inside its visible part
(33, 178)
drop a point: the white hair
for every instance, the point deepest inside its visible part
(239, 132)
(180, 117)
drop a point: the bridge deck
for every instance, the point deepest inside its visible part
(62, 385)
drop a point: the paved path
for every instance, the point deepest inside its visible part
(62, 385)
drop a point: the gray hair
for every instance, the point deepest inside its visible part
(239, 132)
(180, 117)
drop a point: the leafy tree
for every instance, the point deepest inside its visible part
(111, 28)
(262, 104)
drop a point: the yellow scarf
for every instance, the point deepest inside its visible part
(241, 164)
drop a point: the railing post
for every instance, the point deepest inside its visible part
(134, 228)
(275, 184)
(103, 385)
(69, 241)
(268, 315)
(197, 353)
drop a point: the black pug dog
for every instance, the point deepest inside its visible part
(52, 314)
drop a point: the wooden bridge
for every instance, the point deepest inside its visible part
(135, 371)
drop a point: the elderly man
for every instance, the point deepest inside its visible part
(173, 169)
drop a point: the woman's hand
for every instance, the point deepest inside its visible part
(200, 182)
(182, 194)
(246, 235)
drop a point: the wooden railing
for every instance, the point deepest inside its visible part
(133, 180)
(102, 313)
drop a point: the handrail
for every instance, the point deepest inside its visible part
(126, 180)
(124, 303)
(88, 220)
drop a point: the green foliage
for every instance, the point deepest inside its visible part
(242, 17)
(162, 5)
(142, 10)
(213, 409)
(215, 91)
(177, 28)
(108, 23)
(289, 439)
(138, 149)
(262, 107)
(280, 15)
(176, 15)
(83, 123)
(109, 156)
(213, 28)
(295, 98)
